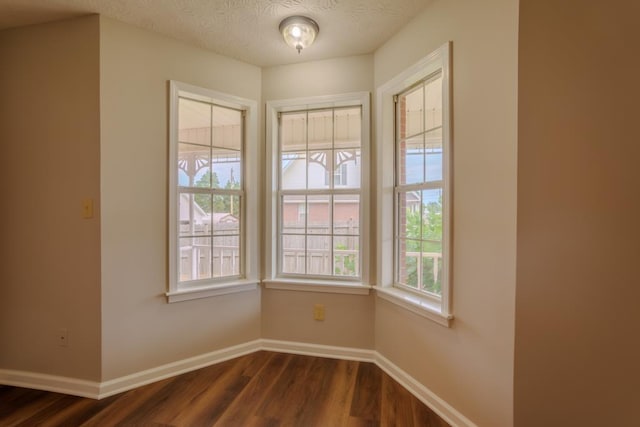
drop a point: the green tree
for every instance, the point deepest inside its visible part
(231, 203)
(206, 181)
(424, 231)
(220, 203)
(426, 225)
(348, 262)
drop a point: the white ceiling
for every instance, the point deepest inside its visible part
(243, 29)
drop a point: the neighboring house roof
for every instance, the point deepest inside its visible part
(200, 216)
(218, 218)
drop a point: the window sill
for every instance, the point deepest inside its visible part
(421, 306)
(212, 290)
(325, 286)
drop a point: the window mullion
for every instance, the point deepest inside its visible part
(319, 192)
(332, 186)
(306, 198)
(424, 180)
(280, 200)
(431, 185)
(211, 175)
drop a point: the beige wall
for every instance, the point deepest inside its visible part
(469, 365)
(318, 78)
(578, 206)
(50, 162)
(288, 315)
(577, 348)
(140, 330)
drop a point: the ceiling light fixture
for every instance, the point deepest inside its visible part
(299, 31)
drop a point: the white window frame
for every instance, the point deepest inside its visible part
(429, 306)
(273, 280)
(249, 278)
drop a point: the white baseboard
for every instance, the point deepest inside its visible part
(97, 390)
(426, 396)
(306, 349)
(54, 383)
(118, 385)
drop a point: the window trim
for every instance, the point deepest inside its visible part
(248, 279)
(439, 310)
(273, 108)
(312, 285)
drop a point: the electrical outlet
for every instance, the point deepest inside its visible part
(318, 312)
(63, 337)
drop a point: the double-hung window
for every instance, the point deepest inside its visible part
(415, 198)
(419, 189)
(208, 198)
(319, 155)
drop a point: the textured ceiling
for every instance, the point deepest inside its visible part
(243, 29)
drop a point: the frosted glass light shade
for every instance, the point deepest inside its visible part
(299, 31)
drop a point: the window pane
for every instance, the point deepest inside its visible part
(433, 155)
(225, 217)
(411, 160)
(294, 214)
(293, 254)
(409, 220)
(227, 171)
(319, 164)
(346, 256)
(433, 104)
(432, 272)
(408, 262)
(318, 214)
(320, 130)
(193, 162)
(293, 132)
(294, 171)
(194, 122)
(194, 258)
(227, 130)
(226, 256)
(346, 214)
(411, 113)
(318, 255)
(194, 218)
(432, 218)
(346, 172)
(348, 128)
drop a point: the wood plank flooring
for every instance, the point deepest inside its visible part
(261, 389)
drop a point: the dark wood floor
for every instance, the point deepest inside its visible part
(260, 389)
